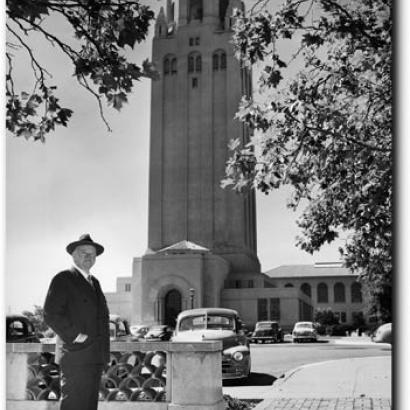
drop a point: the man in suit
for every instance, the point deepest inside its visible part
(76, 309)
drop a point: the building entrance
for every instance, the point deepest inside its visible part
(172, 306)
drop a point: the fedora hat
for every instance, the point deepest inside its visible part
(84, 240)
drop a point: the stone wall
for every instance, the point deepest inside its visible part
(193, 377)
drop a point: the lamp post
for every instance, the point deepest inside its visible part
(191, 296)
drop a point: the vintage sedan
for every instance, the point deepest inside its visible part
(210, 324)
(267, 331)
(158, 333)
(139, 331)
(304, 331)
(383, 334)
(19, 329)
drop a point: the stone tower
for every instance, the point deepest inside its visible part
(199, 233)
(192, 121)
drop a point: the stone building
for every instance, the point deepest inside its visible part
(201, 238)
(288, 293)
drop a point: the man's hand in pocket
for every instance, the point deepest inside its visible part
(81, 338)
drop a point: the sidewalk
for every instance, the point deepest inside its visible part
(346, 384)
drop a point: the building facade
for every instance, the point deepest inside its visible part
(288, 294)
(201, 238)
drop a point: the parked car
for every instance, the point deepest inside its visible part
(158, 333)
(49, 337)
(383, 334)
(119, 330)
(19, 329)
(304, 331)
(206, 324)
(139, 331)
(267, 331)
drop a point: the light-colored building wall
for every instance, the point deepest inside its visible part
(329, 274)
(245, 301)
(204, 273)
(348, 307)
(120, 304)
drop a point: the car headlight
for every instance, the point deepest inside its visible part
(238, 356)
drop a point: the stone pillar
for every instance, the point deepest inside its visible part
(16, 375)
(196, 377)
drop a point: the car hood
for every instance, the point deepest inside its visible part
(228, 337)
(155, 334)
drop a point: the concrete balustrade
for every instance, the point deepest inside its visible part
(193, 376)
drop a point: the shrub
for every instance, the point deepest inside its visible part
(232, 403)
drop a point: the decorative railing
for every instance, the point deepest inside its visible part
(165, 373)
(133, 376)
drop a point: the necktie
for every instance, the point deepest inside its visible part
(90, 281)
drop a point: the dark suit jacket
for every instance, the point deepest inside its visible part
(72, 306)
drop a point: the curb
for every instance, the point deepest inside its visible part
(290, 373)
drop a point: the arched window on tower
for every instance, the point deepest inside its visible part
(339, 293)
(191, 64)
(198, 63)
(215, 62)
(223, 61)
(195, 11)
(322, 293)
(219, 60)
(356, 291)
(166, 66)
(174, 66)
(223, 5)
(194, 63)
(306, 289)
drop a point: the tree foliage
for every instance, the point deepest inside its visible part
(325, 317)
(36, 317)
(326, 131)
(101, 29)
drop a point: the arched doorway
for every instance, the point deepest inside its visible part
(172, 306)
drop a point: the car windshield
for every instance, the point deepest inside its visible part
(16, 328)
(207, 322)
(308, 325)
(266, 325)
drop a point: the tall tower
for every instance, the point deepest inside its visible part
(192, 121)
(201, 237)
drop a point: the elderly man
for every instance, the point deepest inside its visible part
(76, 309)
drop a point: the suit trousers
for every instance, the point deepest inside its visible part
(79, 386)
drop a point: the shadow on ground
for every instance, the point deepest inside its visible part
(255, 379)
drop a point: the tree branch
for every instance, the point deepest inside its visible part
(34, 63)
(84, 83)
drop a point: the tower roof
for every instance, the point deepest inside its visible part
(184, 247)
(317, 270)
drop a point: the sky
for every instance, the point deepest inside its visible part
(85, 179)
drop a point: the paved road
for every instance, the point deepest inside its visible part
(276, 359)
(271, 361)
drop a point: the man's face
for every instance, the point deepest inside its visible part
(84, 256)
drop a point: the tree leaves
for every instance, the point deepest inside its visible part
(327, 130)
(102, 30)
